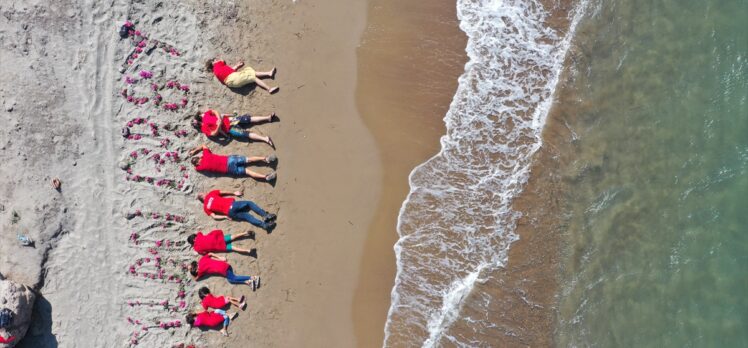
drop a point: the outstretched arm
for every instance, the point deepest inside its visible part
(238, 65)
(230, 193)
(217, 217)
(216, 257)
(197, 149)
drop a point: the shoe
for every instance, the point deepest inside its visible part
(270, 177)
(270, 217)
(270, 225)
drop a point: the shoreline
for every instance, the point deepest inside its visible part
(397, 54)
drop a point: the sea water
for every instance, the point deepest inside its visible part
(457, 223)
(656, 210)
(657, 240)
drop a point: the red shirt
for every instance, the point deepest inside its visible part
(208, 319)
(214, 203)
(211, 162)
(210, 123)
(211, 301)
(211, 242)
(206, 265)
(222, 71)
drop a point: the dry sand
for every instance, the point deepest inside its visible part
(62, 111)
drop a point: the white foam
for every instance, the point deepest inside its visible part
(457, 220)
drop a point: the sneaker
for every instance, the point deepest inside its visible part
(270, 177)
(270, 225)
(270, 217)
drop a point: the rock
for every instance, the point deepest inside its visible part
(20, 300)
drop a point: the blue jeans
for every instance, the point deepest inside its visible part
(236, 165)
(226, 319)
(235, 279)
(237, 130)
(239, 212)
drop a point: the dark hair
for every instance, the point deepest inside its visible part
(190, 319)
(191, 239)
(209, 64)
(197, 121)
(204, 291)
(195, 161)
(193, 268)
(201, 197)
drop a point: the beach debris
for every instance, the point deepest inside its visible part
(15, 218)
(17, 304)
(25, 240)
(56, 184)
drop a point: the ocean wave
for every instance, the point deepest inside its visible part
(457, 222)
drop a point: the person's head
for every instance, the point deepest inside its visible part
(209, 64)
(200, 197)
(191, 239)
(197, 121)
(195, 161)
(204, 291)
(193, 268)
(190, 318)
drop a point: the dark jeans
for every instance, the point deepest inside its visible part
(235, 279)
(239, 211)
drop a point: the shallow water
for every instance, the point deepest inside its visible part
(658, 208)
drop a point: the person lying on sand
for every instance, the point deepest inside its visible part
(217, 241)
(238, 76)
(212, 264)
(211, 319)
(231, 126)
(219, 302)
(219, 208)
(207, 161)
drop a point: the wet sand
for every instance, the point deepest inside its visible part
(411, 55)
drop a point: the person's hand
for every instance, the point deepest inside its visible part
(238, 193)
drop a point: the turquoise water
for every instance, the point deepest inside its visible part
(657, 252)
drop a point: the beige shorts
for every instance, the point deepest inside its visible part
(241, 77)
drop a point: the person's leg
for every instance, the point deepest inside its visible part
(233, 237)
(266, 87)
(264, 74)
(238, 212)
(241, 250)
(236, 279)
(255, 175)
(240, 134)
(267, 159)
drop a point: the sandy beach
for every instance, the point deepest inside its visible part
(110, 251)
(329, 171)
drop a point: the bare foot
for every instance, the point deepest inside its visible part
(56, 184)
(272, 73)
(270, 142)
(273, 90)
